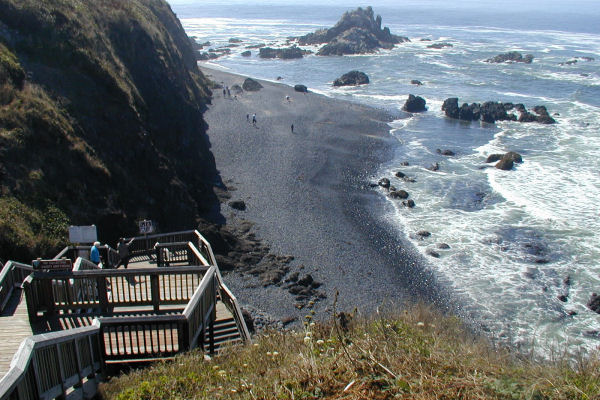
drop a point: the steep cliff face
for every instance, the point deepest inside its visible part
(100, 121)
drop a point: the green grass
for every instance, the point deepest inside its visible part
(418, 354)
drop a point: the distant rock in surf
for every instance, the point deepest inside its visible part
(414, 104)
(491, 112)
(511, 56)
(352, 78)
(285, 54)
(246, 53)
(594, 303)
(357, 32)
(507, 161)
(416, 82)
(439, 45)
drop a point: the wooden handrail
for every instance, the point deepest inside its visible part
(11, 275)
(49, 365)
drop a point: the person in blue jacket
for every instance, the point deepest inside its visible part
(95, 253)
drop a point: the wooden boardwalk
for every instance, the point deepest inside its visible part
(14, 328)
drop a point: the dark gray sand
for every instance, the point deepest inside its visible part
(308, 193)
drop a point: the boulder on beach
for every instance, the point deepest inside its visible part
(357, 32)
(511, 56)
(301, 88)
(246, 53)
(409, 203)
(250, 85)
(238, 205)
(445, 152)
(352, 78)
(414, 104)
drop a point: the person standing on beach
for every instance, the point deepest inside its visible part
(123, 252)
(292, 128)
(247, 117)
(254, 119)
(95, 253)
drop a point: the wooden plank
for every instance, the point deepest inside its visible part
(14, 328)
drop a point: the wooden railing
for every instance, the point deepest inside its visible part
(53, 364)
(105, 290)
(12, 274)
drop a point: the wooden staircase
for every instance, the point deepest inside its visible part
(226, 334)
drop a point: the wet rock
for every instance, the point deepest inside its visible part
(432, 253)
(352, 78)
(279, 78)
(399, 194)
(423, 234)
(301, 88)
(404, 163)
(250, 85)
(494, 157)
(238, 205)
(434, 167)
(392, 189)
(443, 246)
(246, 53)
(408, 203)
(562, 298)
(515, 157)
(572, 312)
(384, 183)
(445, 152)
(285, 53)
(409, 179)
(306, 280)
(400, 174)
(450, 107)
(511, 56)
(414, 104)
(505, 165)
(594, 303)
(440, 45)
(416, 82)
(235, 40)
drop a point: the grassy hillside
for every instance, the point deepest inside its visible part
(100, 121)
(418, 354)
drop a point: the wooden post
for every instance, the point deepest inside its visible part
(155, 290)
(211, 335)
(102, 293)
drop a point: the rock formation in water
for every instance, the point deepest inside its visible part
(511, 56)
(352, 78)
(357, 32)
(491, 112)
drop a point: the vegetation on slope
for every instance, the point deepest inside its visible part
(100, 121)
(416, 355)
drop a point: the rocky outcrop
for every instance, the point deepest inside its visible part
(491, 112)
(301, 88)
(507, 161)
(414, 104)
(357, 32)
(111, 95)
(250, 85)
(439, 45)
(511, 56)
(416, 82)
(246, 53)
(594, 303)
(352, 78)
(285, 53)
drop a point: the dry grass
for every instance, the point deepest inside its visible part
(418, 354)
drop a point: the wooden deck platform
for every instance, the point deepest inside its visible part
(14, 327)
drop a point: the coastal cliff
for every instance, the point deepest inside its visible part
(101, 122)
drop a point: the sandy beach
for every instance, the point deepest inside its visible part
(308, 194)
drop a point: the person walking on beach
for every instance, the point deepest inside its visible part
(95, 253)
(254, 119)
(123, 252)
(292, 128)
(247, 117)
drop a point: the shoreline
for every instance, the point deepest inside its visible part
(307, 193)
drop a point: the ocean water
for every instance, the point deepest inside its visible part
(517, 239)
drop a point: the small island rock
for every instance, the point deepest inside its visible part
(352, 78)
